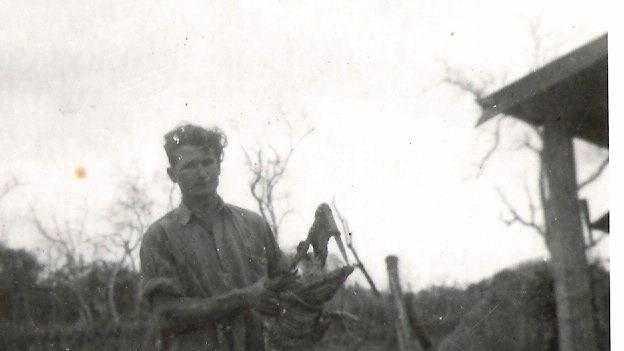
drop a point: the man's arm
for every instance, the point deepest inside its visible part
(165, 293)
(183, 312)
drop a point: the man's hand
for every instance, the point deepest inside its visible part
(262, 299)
(262, 296)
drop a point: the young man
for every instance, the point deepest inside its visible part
(206, 264)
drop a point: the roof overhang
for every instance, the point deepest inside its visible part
(574, 86)
(601, 223)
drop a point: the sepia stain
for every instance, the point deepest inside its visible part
(80, 172)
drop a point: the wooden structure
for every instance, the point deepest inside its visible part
(575, 86)
(601, 223)
(568, 98)
(399, 315)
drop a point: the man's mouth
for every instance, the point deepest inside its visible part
(205, 183)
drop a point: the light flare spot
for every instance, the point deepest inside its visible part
(80, 172)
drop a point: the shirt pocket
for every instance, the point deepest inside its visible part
(255, 252)
(253, 247)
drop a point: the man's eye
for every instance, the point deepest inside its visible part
(189, 165)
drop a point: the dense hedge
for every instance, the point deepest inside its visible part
(512, 310)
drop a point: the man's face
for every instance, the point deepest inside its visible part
(196, 170)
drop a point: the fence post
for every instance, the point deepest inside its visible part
(401, 322)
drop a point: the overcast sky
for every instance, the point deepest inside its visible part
(96, 84)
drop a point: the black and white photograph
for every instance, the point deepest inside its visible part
(306, 175)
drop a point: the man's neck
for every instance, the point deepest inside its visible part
(205, 203)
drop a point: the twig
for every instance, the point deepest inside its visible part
(455, 78)
(595, 174)
(526, 142)
(492, 148)
(517, 218)
(349, 240)
(596, 241)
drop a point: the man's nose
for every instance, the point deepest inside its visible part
(205, 171)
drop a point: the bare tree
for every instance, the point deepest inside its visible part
(129, 216)
(66, 243)
(267, 169)
(568, 263)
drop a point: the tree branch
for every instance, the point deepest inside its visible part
(255, 183)
(455, 78)
(267, 173)
(349, 241)
(517, 218)
(493, 147)
(62, 244)
(526, 142)
(596, 241)
(597, 173)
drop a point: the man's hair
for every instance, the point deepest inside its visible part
(190, 134)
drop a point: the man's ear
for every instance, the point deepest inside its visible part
(172, 174)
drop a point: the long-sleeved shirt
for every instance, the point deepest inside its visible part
(203, 255)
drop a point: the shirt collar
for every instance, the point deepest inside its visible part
(184, 213)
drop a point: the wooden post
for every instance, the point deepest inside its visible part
(399, 314)
(586, 223)
(565, 240)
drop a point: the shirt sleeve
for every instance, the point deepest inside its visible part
(277, 263)
(159, 275)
